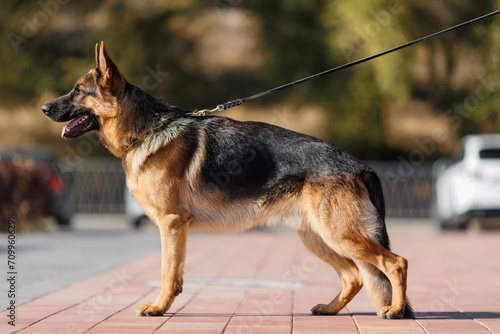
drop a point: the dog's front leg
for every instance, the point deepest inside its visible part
(174, 231)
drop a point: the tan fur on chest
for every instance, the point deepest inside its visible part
(156, 180)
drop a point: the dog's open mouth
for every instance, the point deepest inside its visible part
(79, 126)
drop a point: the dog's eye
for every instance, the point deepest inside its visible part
(76, 91)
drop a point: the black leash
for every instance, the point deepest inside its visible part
(237, 102)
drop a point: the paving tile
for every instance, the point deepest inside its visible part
(453, 286)
(127, 317)
(195, 323)
(257, 329)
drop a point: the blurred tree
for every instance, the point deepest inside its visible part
(448, 71)
(170, 48)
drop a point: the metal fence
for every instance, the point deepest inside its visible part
(97, 185)
(408, 189)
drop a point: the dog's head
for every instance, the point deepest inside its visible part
(92, 100)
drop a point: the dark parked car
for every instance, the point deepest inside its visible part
(33, 186)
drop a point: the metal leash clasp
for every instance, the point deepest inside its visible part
(205, 112)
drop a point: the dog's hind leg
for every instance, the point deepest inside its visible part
(351, 226)
(345, 268)
(386, 280)
(346, 220)
(173, 230)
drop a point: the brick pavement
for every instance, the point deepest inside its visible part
(266, 282)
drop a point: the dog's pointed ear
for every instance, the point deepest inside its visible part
(97, 55)
(110, 76)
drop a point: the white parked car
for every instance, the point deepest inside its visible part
(470, 187)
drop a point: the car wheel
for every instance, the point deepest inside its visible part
(455, 224)
(140, 221)
(63, 221)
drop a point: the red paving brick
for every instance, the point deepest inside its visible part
(267, 282)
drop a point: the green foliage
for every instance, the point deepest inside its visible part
(48, 44)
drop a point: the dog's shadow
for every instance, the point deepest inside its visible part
(456, 315)
(420, 316)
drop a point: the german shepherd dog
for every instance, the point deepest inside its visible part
(209, 173)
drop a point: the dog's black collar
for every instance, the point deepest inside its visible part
(133, 141)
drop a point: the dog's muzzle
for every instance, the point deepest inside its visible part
(82, 119)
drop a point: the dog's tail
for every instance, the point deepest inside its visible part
(380, 289)
(377, 284)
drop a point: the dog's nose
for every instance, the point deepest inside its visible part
(46, 108)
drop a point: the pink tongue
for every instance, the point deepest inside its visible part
(71, 125)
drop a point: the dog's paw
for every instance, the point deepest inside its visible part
(322, 309)
(149, 309)
(390, 312)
